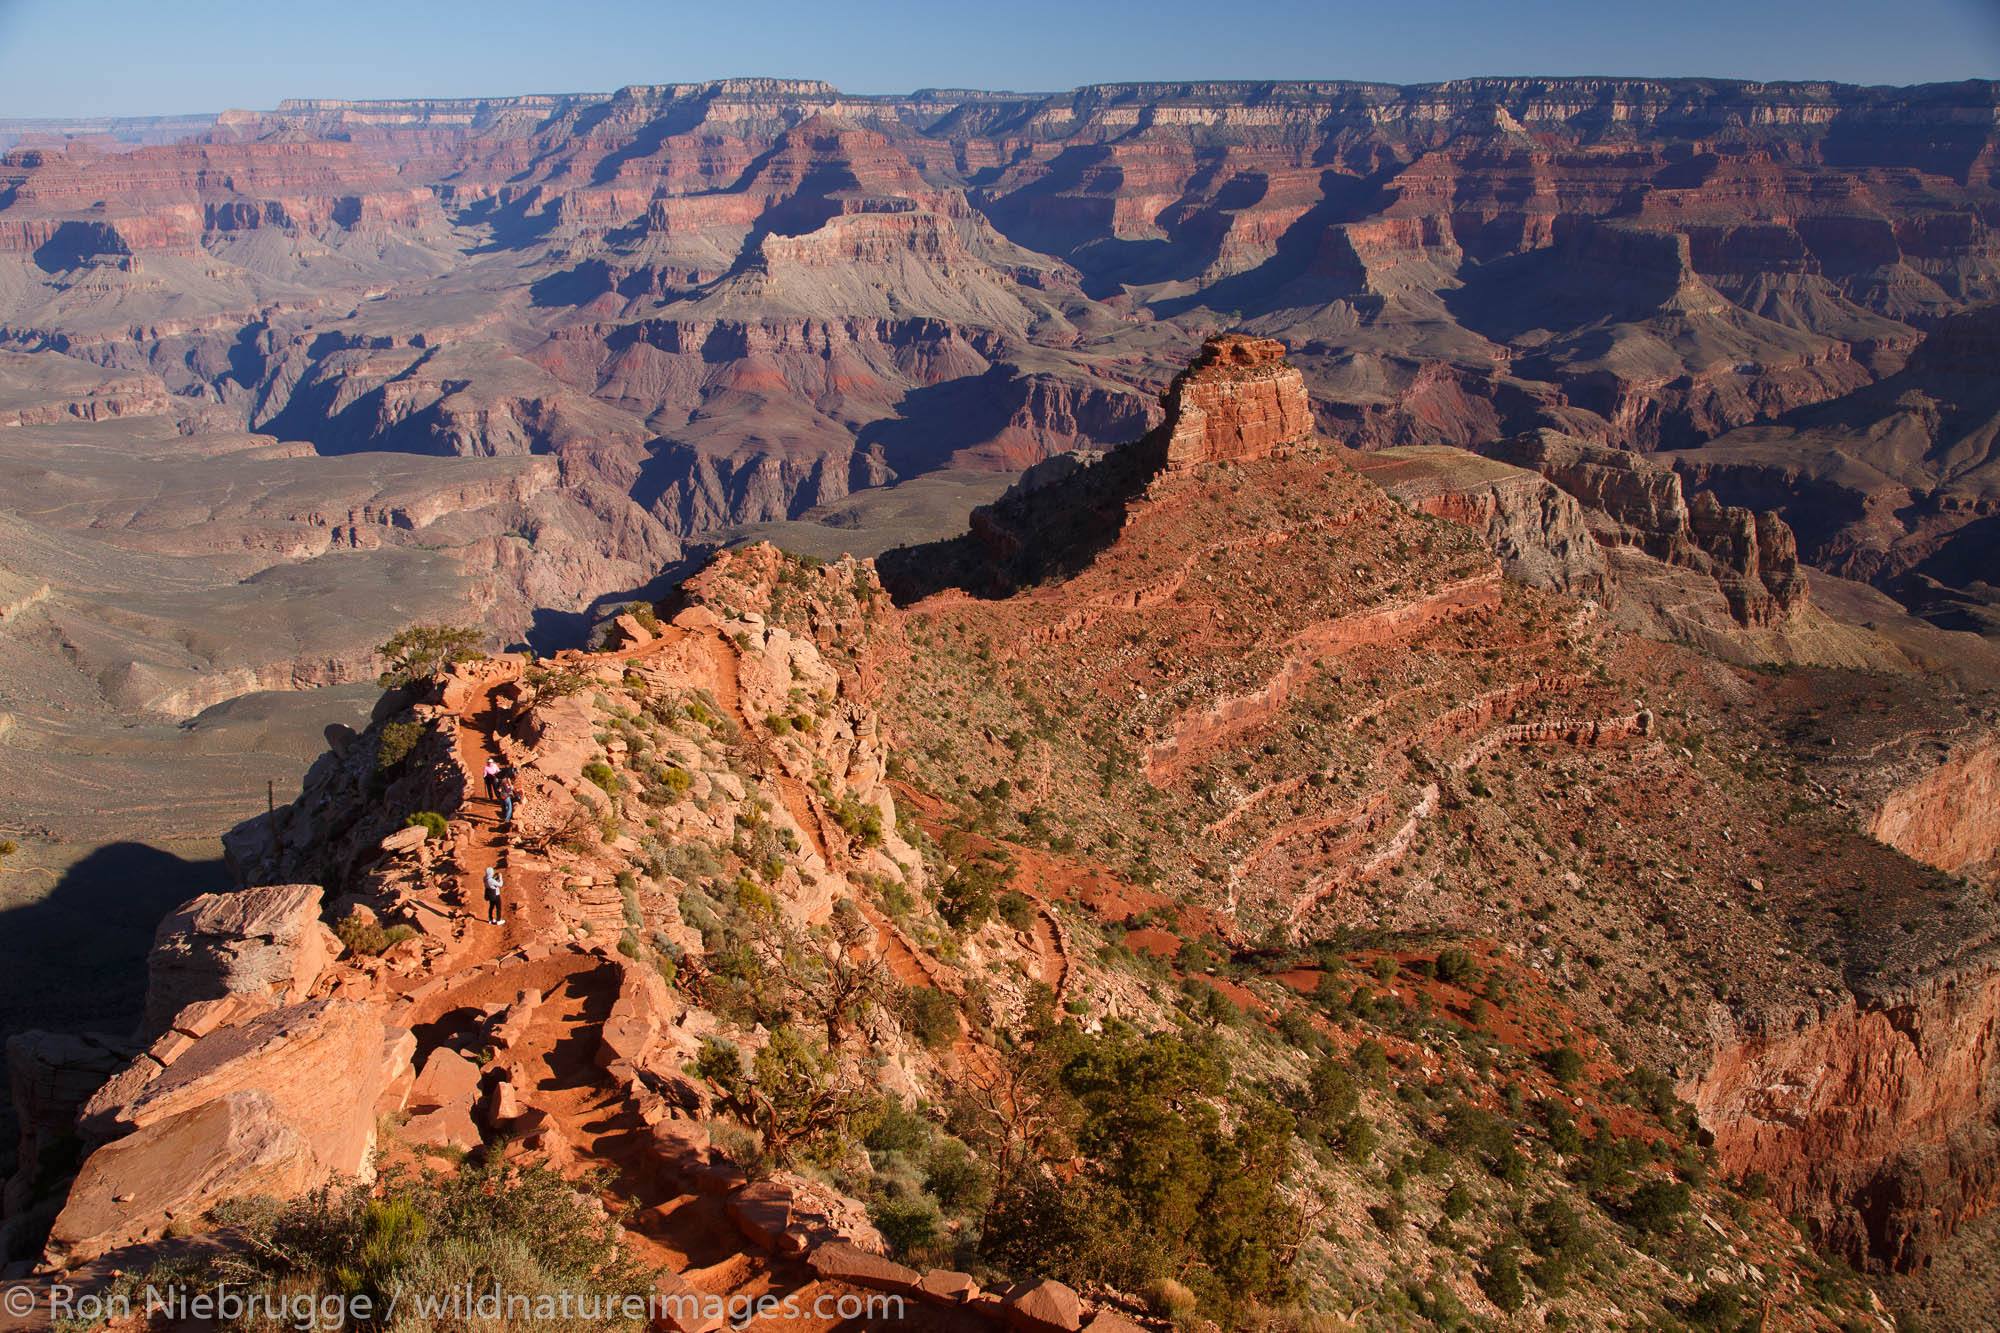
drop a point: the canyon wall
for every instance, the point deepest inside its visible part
(1877, 1118)
(1949, 817)
(733, 301)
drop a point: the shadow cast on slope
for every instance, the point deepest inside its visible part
(1045, 536)
(75, 959)
(1287, 276)
(933, 423)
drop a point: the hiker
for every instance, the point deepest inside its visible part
(492, 777)
(506, 801)
(493, 884)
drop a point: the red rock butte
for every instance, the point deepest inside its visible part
(1239, 400)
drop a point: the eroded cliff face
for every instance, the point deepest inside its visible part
(1877, 1117)
(1874, 1107)
(1240, 400)
(1634, 501)
(1540, 532)
(1949, 817)
(773, 279)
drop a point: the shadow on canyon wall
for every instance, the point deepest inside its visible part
(75, 958)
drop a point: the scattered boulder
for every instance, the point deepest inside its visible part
(718, 1178)
(445, 1127)
(643, 1009)
(321, 1064)
(840, 1262)
(1110, 1321)
(447, 1078)
(947, 1286)
(205, 1016)
(503, 1105)
(762, 1212)
(399, 1076)
(681, 1307)
(1046, 1306)
(267, 941)
(405, 840)
(680, 1146)
(510, 1027)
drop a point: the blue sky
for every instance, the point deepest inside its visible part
(113, 57)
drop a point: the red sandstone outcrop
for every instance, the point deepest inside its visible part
(268, 943)
(1240, 400)
(129, 1191)
(247, 1088)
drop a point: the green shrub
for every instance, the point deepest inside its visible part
(930, 1014)
(1657, 1206)
(394, 743)
(1500, 1278)
(1298, 1030)
(1181, 1169)
(1564, 1064)
(1016, 908)
(907, 1224)
(1331, 1094)
(1717, 1308)
(1471, 1128)
(959, 1181)
(862, 822)
(1371, 1060)
(424, 652)
(1456, 967)
(896, 1128)
(1564, 1137)
(1169, 1299)
(362, 936)
(965, 896)
(433, 824)
(602, 774)
(1554, 1228)
(1358, 1139)
(523, 1227)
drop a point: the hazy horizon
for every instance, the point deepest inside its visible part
(495, 96)
(154, 63)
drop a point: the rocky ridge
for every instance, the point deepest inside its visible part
(1286, 852)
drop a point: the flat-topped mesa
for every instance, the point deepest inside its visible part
(1239, 400)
